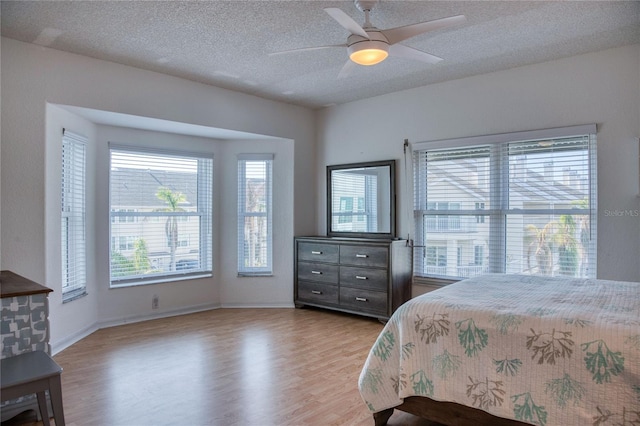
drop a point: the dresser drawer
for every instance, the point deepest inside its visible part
(318, 272)
(317, 292)
(364, 256)
(365, 278)
(315, 252)
(363, 300)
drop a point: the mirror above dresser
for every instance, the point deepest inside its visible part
(361, 200)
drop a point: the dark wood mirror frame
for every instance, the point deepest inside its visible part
(389, 231)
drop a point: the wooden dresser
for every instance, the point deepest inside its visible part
(361, 276)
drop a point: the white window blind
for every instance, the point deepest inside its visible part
(160, 215)
(507, 205)
(73, 226)
(255, 176)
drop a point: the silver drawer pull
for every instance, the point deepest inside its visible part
(361, 299)
(316, 292)
(315, 252)
(360, 277)
(362, 255)
(316, 272)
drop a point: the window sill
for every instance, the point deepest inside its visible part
(73, 295)
(433, 281)
(159, 280)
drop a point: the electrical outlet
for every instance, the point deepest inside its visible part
(155, 302)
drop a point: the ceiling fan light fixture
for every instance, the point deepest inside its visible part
(368, 52)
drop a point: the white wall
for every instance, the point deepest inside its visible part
(68, 321)
(34, 76)
(599, 88)
(275, 290)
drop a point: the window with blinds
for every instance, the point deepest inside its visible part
(520, 203)
(255, 173)
(73, 248)
(160, 215)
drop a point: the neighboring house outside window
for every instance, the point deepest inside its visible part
(161, 215)
(436, 260)
(346, 205)
(445, 222)
(73, 248)
(255, 239)
(518, 203)
(478, 255)
(480, 218)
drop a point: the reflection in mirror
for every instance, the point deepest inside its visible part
(360, 200)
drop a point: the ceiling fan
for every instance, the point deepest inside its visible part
(368, 45)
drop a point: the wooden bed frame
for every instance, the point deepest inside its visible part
(447, 413)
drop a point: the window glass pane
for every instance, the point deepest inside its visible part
(449, 222)
(254, 216)
(160, 216)
(255, 247)
(548, 244)
(549, 173)
(457, 179)
(456, 256)
(430, 262)
(354, 199)
(73, 226)
(255, 182)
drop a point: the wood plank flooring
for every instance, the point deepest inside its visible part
(246, 367)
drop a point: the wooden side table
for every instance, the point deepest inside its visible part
(34, 372)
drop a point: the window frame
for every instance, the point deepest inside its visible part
(204, 214)
(73, 210)
(243, 214)
(499, 194)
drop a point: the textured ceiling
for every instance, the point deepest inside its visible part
(226, 43)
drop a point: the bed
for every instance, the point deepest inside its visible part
(511, 350)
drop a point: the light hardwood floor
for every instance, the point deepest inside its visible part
(248, 367)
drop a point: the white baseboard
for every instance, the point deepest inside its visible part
(163, 314)
(59, 346)
(252, 306)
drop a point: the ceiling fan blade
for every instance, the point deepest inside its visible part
(347, 69)
(305, 49)
(395, 35)
(402, 51)
(346, 21)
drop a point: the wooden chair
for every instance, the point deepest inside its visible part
(33, 372)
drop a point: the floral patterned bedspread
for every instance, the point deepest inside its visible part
(541, 350)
